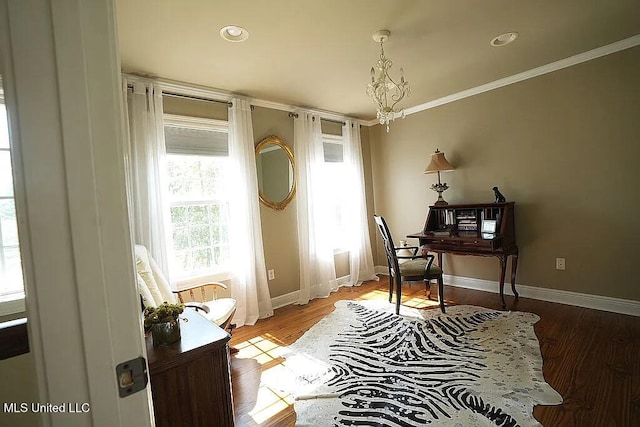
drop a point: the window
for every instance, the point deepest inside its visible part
(197, 171)
(11, 283)
(335, 176)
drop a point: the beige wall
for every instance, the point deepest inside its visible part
(19, 385)
(279, 228)
(564, 146)
(367, 139)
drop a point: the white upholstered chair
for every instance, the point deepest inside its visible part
(154, 290)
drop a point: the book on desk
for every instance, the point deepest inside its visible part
(445, 231)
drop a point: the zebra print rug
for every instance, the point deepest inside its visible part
(364, 365)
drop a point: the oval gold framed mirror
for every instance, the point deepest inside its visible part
(276, 172)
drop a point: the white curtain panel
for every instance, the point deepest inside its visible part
(361, 264)
(248, 273)
(317, 265)
(146, 167)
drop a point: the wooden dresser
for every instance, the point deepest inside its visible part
(190, 380)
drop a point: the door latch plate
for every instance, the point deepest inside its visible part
(132, 376)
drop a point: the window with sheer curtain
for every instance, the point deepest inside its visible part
(197, 170)
(334, 178)
(11, 283)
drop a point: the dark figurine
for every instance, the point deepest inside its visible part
(499, 197)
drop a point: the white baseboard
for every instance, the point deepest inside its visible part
(598, 302)
(286, 299)
(382, 269)
(292, 297)
(343, 280)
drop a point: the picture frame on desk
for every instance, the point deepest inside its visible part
(489, 226)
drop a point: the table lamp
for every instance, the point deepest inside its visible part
(439, 164)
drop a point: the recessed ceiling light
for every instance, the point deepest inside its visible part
(233, 33)
(504, 39)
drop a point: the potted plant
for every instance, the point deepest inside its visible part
(164, 323)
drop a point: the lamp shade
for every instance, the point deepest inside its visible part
(438, 163)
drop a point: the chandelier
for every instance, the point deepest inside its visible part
(385, 92)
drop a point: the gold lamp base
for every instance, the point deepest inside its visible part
(439, 188)
(440, 201)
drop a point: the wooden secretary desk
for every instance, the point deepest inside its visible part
(190, 379)
(473, 229)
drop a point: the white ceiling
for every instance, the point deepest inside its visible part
(319, 54)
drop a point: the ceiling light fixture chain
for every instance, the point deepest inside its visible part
(384, 90)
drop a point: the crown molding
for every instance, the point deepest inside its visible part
(525, 75)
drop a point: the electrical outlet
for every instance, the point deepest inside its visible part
(272, 274)
(560, 264)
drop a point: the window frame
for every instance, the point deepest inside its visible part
(12, 303)
(194, 123)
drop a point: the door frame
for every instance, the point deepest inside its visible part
(61, 71)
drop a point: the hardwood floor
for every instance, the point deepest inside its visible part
(591, 357)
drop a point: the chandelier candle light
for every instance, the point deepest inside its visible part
(439, 164)
(383, 89)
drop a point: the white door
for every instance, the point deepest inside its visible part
(61, 72)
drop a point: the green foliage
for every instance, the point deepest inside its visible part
(198, 214)
(200, 236)
(178, 214)
(163, 313)
(180, 238)
(201, 258)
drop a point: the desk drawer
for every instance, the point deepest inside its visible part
(479, 243)
(442, 243)
(453, 243)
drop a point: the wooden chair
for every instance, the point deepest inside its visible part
(154, 290)
(417, 267)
